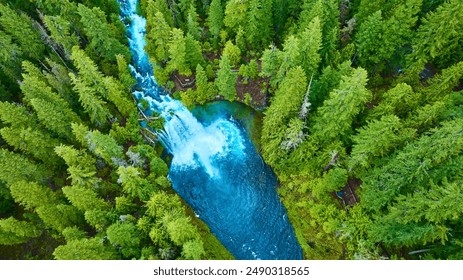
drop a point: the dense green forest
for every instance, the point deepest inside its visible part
(363, 124)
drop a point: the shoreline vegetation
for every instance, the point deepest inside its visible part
(363, 124)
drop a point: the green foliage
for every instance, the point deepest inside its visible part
(158, 36)
(412, 166)
(20, 28)
(84, 249)
(311, 42)
(59, 217)
(84, 198)
(335, 117)
(14, 168)
(232, 52)
(226, 80)
(13, 231)
(73, 233)
(215, 19)
(378, 138)
(81, 166)
(104, 146)
(445, 26)
(126, 237)
(193, 250)
(177, 53)
(249, 71)
(133, 184)
(101, 36)
(32, 195)
(284, 107)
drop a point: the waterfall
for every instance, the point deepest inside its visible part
(215, 167)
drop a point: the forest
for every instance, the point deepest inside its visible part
(362, 104)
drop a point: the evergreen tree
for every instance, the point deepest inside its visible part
(84, 249)
(177, 53)
(61, 32)
(285, 105)
(215, 20)
(192, 24)
(232, 52)
(84, 198)
(13, 231)
(378, 139)
(445, 26)
(133, 184)
(411, 167)
(193, 49)
(32, 195)
(105, 146)
(17, 115)
(311, 42)
(157, 38)
(14, 168)
(226, 80)
(117, 97)
(125, 236)
(52, 110)
(102, 38)
(81, 166)
(20, 28)
(335, 117)
(59, 217)
(124, 74)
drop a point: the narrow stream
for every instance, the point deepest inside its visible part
(215, 167)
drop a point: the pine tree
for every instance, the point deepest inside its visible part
(52, 110)
(157, 38)
(412, 166)
(92, 103)
(215, 20)
(226, 80)
(21, 29)
(133, 184)
(177, 53)
(193, 249)
(81, 166)
(125, 236)
(32, 195)
(311, 42)
(61, 32)
(204, 90)
(445, 26)
(17, 115)
(31, 141)
(285, 106)
(116, 95)
(192, 24)
(125, 76)
(105, 146)
(378, 138)
(235, 15)
(369, 39)
(193, 49)
(102, 38)
(232, 52)
(84, 249)
(13, 231)
(59, 217)
(399, 100)
(14, 168)
(84, 198)
(335, 117)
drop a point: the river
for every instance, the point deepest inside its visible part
(215, 167)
